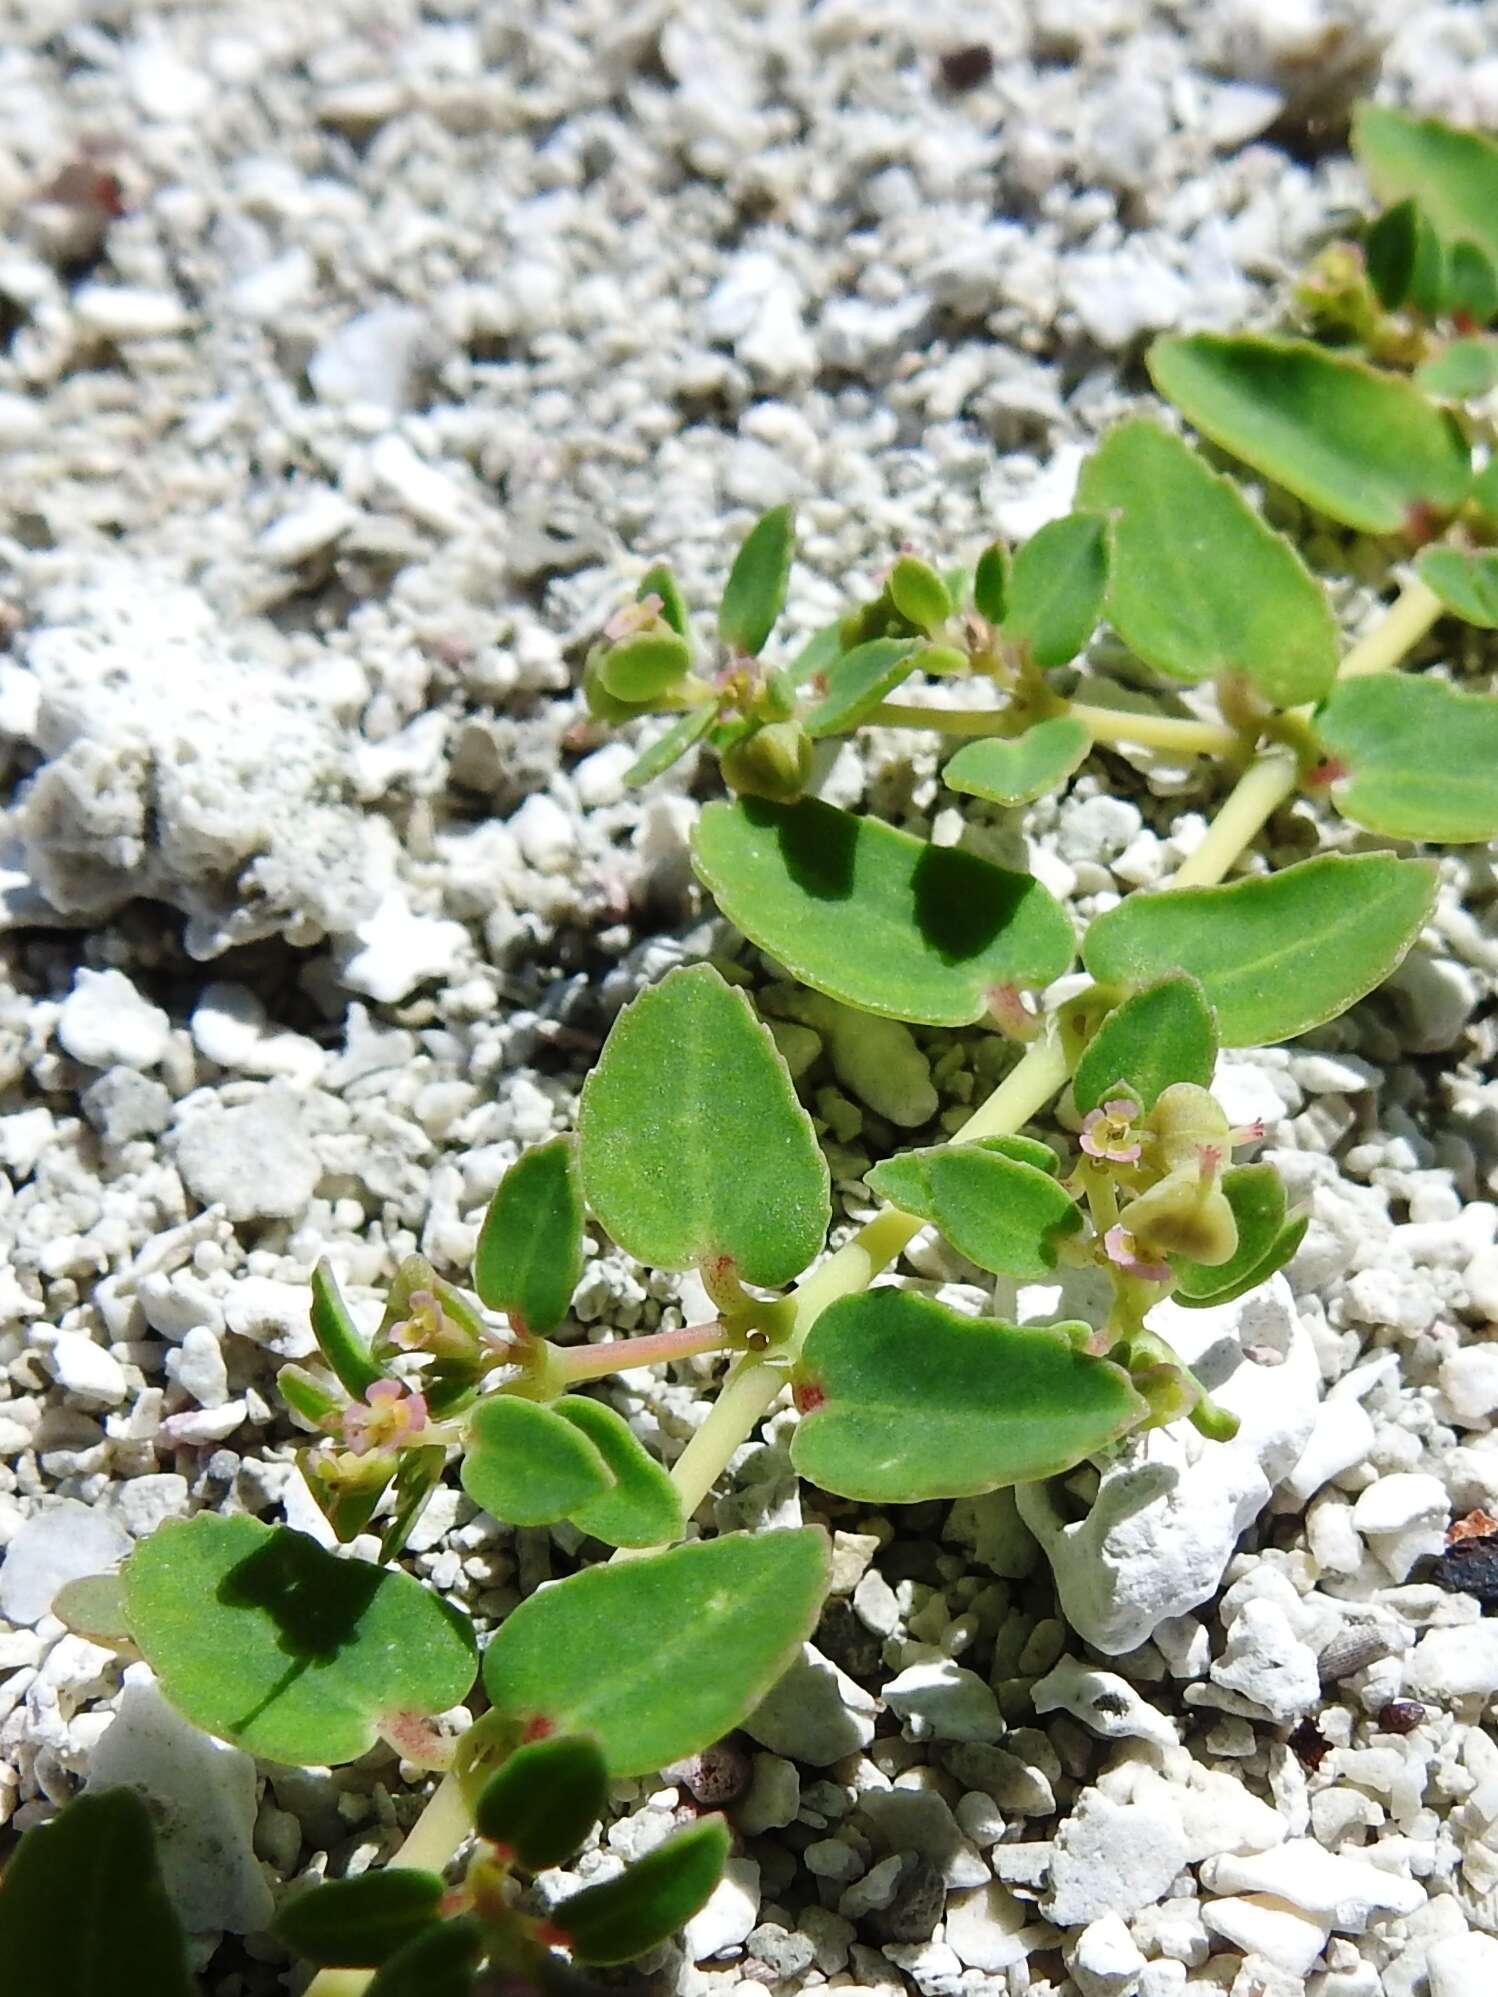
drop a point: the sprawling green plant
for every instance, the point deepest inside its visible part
(694, 1151)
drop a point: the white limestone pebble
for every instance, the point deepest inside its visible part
(1469, 1380)
(197, 1366)
(983, 1927)
(772, 1798)
(919, 1820)
(940, 1700)
(372, 358)
(1106, 1960)
(129, 311)
(1404, 1515)
(1348, 1892)
(399, 950)
(1262, 1925)
(253, 1159)
(815, 1713)
(1112, 1858)
(105, 1023)
(86, 1372)
(1462, 1965)
(229, 1027)
(61, 1544)
(1481, 1279)
(730, 1912)
(1264, 1660)
(201, 1794)
(1456, 1663)
(1106, 1704)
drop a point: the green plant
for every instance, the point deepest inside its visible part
(695, 1152)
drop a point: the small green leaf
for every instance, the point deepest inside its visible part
(644, 1507)
(1485, 491)
(1461, 372)
(1026, 1150)
(83, 1912)
(528, 1465)
(991, 583)
(93, 1605)
(1466, 582)
(661, 581)
(437, 1963)
(261, 1637)
(1471, 283)
(338, 1337)
(647, 665)
(663, 1656)
(1015, 772)
(755, 593)
(694, 1145)
(1161, 1035)
(818, 655)
(1406, 264)
(873, 917)
(541, 1803)
(1199, 586)
(649, 1900)
(359, 1923)
(1005, 1216)
(1266, 1241)
(1364, 447)
(529, 1258)
(1452, 174)
(857, 682)
(1056, 588)
(685, 732)
(919, 594)
(1275, 954)
(904, 1400)
(417, 1475)
(1421, 759)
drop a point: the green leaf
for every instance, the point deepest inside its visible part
(530, 1253)
(338, 1337)
(1014, 772)
(1056, 588)
(856, 683)
(661, 581)
(542, 1802)
(438, 1963)
(1001, 1214)
(644, 1506)
(903, 1400)
(645, 666)
(919, 594)
(83, 1912)
(1266, 1241)
(1485, 491)
(873, 917)
(1465, 581)
(417, 1475)
(527, 1464)
(684, 733)
(991, 583)
(93, 1605)
(261, 1637)
(649, 1900)
(1027, 1150)
(755, 593)
(660, 1657)
(1161, 1035)
(1421, 759)
(1452, 174)
(694, 1145)
(1461, 372)
(1364, 447)
(1276, 954)
(1405, 260)
(1471, 283)
(818, 655)
(1199, 585)
(359, 1923)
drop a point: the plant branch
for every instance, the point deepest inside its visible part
(1104, 724)
(575, 1363)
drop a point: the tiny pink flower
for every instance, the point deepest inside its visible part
(390, 1418)
(1123, 1251)
(1108, 1133)
(630, 618)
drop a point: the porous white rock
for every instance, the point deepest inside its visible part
(197, 1366)
(1275, 1929)
(1342, 1433)
(1345, 1891)
(1264, 1660)
(373, 358)
(229, 1026)
(1105, 1959)
(906, 1819)
(1481, 1280)
(939, 1700)
(983, 1926)
(253, 1159)
(1170, 1508)
(55, 1546)
(201, 1794)
(105, 1023)
(1462, 1965)
(85, 1371)
(1469, 1380)
(814, 1713)
(1455, 1663)
(730, 1911)
(1106, 1704)
(1404, 1515)
(1112, 1858)
(772, 1798)
(399, 950)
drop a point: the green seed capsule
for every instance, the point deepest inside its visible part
(773, 762)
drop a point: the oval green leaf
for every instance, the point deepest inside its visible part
(873, 917)
(1466, 581)
(541, 1803)
(529, 1258)
(649, 1900)
(684, 733)
(903, 1400)
(754, 595)
(1004, 1215)
(1421, 758)
(854, 685)
(664, 1656)
(528, 1465)
(1016, 772)
(1461, 372)
(1276, 954)
(919, 594)
(1199, 585)
(1452, 174)
(1161, 1035)
(360, 1923)
(1056, 588)
(83, 1912)
(337, 1335)
(991, 583)
(645, 666)
(1405, 260)
(694, 1145)
(261, 1637)
(661, 581)
(440, 1962)
(644, 1506)
(1266, 1241)
(1362, 446)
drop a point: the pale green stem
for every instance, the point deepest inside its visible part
(574, 1363)
(1104, 724)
